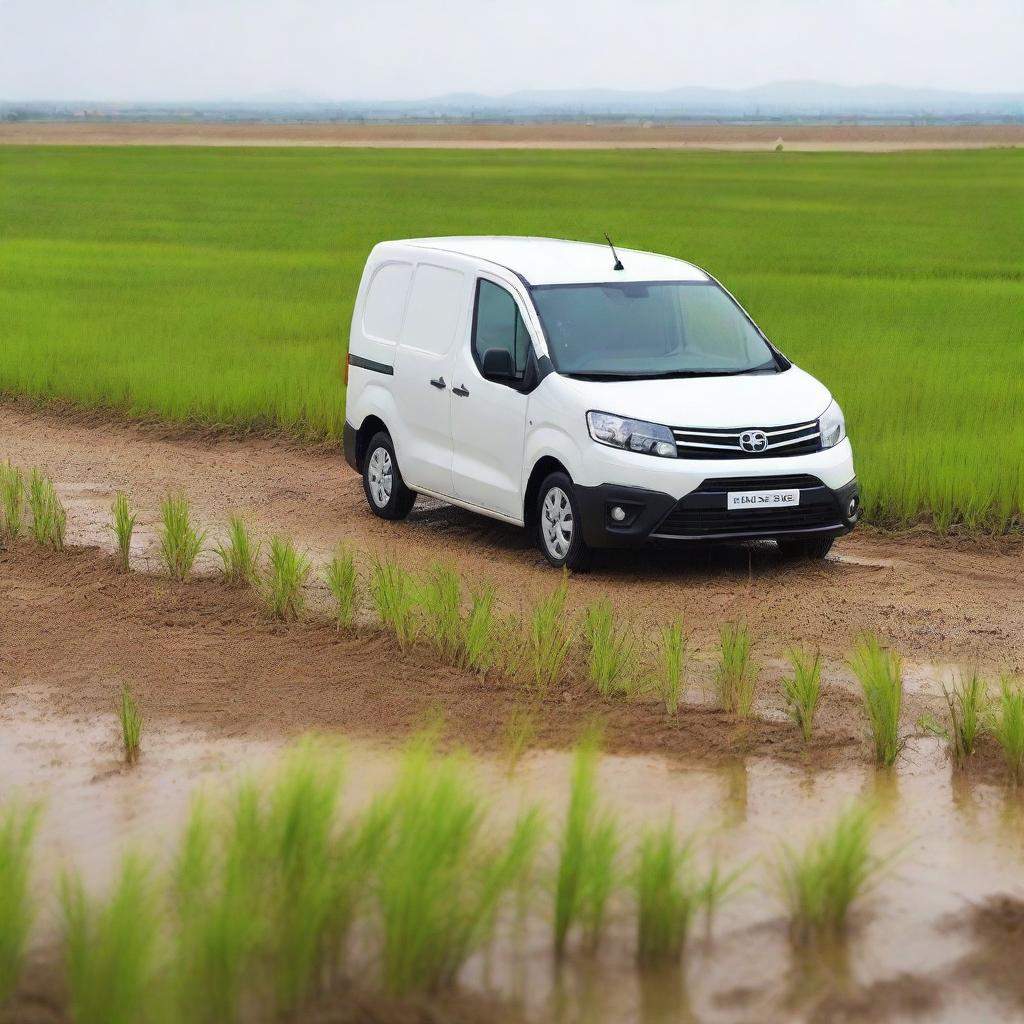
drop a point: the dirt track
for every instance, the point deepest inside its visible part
(853, 138)
(940, 602)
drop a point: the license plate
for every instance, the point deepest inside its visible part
(762, 499)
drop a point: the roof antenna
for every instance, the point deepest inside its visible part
(611, 245)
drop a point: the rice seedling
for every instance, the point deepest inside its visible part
(670, 891)
(218, 887)
(131, 725)
(880, 673)
(736, 676)
(586, 875)
(239, 556)
(441, 605)
(110, 947)
(180, 541)
(1008, 727)
(396, 597)
(520, 733)
(802, 690)
(672, 665)
(549, 638)
(820, 883)
(441, 877)
(123, 526)
(611, 650)
(285, 575)
(340, 576)
(478, 639)
(49, 520)
(17, 831)
(967, 703)
(12, 499)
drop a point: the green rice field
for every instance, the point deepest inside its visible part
(216, 285)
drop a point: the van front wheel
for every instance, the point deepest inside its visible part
(385, 490)
(559, 528)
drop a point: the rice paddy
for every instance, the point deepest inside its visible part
(216, 285)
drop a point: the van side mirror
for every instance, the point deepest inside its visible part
(498, 364)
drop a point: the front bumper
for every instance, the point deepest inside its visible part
(701, 515)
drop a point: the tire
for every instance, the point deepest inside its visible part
(385, 490)
(559, 526)
(815, 548)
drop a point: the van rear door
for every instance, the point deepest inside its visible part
(435, 315)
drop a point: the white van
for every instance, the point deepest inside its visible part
(601, 399)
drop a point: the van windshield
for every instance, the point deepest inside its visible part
(660, 329)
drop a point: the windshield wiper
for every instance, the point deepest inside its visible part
(668, 374)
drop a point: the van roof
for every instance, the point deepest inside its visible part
(543, 261)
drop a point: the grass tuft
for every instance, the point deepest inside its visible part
(441, 605)
(442, 879)
(180, 541)
(802, 690)
(123, 526)
(586, 875)
(395, 596)
(239, 556)
(549, 638)
(520, 733)
(672, 665)
(880, 672)
(478, 639)
(1008, 727)
(736, 676)
(12, 500)
(340, 576)
(669, 893)
(17, 832)
(110, 947)
(611, 650)
(820, 882)
(968, 703)
(49, 520)
(285, 575)
(131, 725)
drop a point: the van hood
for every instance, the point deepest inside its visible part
(755, 400)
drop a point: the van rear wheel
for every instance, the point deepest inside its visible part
(559, 528)
(385, 490)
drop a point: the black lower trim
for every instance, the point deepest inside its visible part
(370, 364)
(702, 515)
(349, 438)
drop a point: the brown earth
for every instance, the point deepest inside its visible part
(866, 138)
(941, 602)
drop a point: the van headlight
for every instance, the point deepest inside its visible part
(631, 435)
(832, 426)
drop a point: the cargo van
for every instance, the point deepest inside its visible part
(600, 398)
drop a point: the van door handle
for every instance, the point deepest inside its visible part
(462, 391)
(438, 382)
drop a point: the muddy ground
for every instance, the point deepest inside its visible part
(223, 689)
(837, 138)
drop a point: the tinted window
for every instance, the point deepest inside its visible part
(499, 325)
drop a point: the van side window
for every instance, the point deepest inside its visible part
(498, 324)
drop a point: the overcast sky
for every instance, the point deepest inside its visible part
(407, 49)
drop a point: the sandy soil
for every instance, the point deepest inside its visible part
(865, 138)
(941, 603)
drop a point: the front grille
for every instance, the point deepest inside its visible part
(724, 443)
(756, 483)
(702, 512)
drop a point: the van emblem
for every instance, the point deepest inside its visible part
(753, 440)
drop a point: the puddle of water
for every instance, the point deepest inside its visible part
(955, 843)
